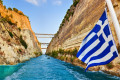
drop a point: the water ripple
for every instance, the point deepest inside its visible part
(42, 68)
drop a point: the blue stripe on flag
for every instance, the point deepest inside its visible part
(106, 31)
(87, 45)
(102, 41)
(103, 17)
(102, 34)
(105, 62)
(96, 29)
(104, 53)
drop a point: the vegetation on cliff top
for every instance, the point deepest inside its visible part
(69, 14)
(14, 9)
(7, 19)
(1, 1)
(17, 11)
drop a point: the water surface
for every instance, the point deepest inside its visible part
(42, 68)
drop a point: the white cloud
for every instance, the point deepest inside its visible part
(57, 2)
(36, 2)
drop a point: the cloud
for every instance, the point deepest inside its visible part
(57, 2)
(36, 2)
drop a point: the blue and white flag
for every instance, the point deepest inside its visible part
(98, 47)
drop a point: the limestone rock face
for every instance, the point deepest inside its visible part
(86, 15)
(22, 21)
(18, 42)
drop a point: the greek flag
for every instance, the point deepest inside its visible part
(98, 47)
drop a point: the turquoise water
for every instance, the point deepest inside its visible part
(42, 68)
(6, 70)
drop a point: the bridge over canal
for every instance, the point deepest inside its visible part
(44, 45)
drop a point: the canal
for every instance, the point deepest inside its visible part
(44, 68)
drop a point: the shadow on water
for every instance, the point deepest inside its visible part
(6, 70)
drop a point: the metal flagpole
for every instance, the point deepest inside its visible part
(114, 19)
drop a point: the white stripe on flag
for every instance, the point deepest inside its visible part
(104, 46)
(106, 58)
(88, 49)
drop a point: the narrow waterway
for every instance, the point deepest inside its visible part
(42, 68)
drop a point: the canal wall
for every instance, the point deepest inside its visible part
(77, 23)
(74, 28)
(18, 42)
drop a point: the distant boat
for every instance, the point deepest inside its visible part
(48, 58)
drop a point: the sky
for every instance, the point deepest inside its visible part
(45, 15)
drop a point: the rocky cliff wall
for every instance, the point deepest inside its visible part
(86, 14)
(74, 30)
(17, 18)
(18, 42)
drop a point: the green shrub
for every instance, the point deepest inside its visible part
(61, 25)
(49, 53)
(67, 18)
(10, 9)
(76, 2)
(4, 7)
(72, 59)
(27, 16)
(10, 33)
(11, 16)
(61, 51)
(63, 21)
(21, 13)
(19, 29)
(3, 20)
(68, 52)
(110, 65)
(1, 1)
(118, 49)
(7, 17)
(38, 53)
(54, 54)
(8, 20)
(74, 52)
(20, 50)
(8, 40)
(23, 42)
(66, 58)
(14, 9)
(62, 58)
(72, 13)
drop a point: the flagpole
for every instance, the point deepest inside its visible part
(114, 19)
